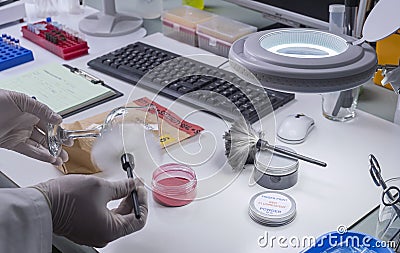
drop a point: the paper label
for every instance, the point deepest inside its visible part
(272, 204)
(212, 42)
(176, 27)
(171, 118)
(167, 139)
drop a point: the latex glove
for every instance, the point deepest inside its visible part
(79, 210)
(21, 117)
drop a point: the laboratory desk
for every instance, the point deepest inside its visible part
(326, 198)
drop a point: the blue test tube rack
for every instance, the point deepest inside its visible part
(11, 53)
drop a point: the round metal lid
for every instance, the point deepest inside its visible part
(303, 60)
(276, 164)
(272, 208)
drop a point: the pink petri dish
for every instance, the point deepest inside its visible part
(174, 184)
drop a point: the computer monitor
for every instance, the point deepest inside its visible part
(108, 22)
(294, 13)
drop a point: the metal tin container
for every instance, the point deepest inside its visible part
(276, 172)
(273, 209)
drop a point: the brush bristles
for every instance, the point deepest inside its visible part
(240, 144)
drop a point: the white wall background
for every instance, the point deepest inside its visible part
(123, 5)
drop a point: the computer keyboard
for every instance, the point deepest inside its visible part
(209, 88)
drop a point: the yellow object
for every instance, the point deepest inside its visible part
(388, 52)
(199, 4)
(167, 140)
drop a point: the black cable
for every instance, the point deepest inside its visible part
(7, 2)
(222, 64)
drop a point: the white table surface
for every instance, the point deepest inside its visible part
(326, 197)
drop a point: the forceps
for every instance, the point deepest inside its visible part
(391, 199)
(390, 195)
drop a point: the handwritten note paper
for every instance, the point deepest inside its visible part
(57, 87)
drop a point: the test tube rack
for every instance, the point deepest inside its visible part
(56, 39)
(12, 54)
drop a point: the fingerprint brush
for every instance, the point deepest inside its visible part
(242, 142)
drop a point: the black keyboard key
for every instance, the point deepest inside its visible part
(184, 90)
(210, 86)
(188, 84)
(131, 70)
(174, 86)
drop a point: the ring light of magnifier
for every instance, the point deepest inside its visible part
(304, 60)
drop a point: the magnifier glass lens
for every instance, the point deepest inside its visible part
(304, 44)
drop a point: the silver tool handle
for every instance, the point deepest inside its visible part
(264, 145)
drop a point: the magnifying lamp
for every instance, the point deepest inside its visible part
(304, 60)
(314, 61)
(382, 21)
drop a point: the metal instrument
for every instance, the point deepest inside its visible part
(390, 195)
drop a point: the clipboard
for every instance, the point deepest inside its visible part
(65, 89)
(94, 80)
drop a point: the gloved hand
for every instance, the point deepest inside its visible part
(79, 211)
(21, 117)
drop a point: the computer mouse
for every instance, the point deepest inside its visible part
(295, 128)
